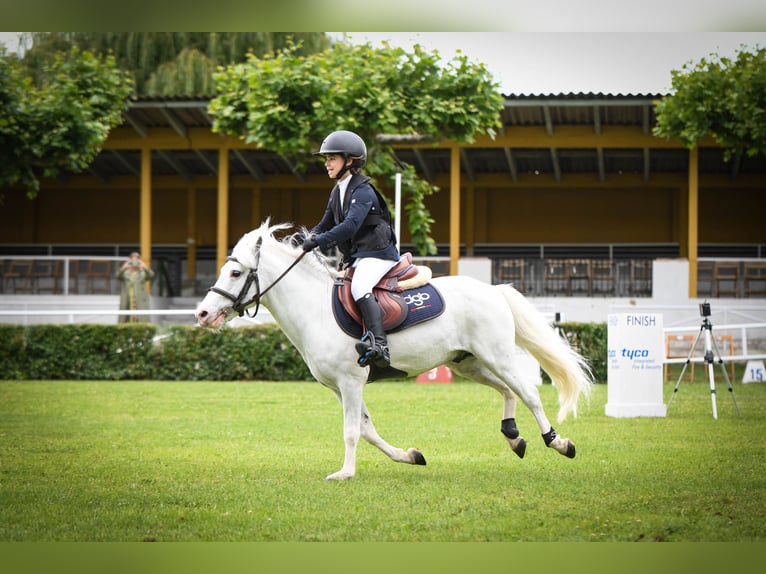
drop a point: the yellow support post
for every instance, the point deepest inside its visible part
(146, 205)
(222, 244)
(454, 210)
(693, 227)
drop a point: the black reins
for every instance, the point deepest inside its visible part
(238, 302)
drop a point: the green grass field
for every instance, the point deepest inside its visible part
(167, 461)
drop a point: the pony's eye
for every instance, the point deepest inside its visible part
(236, 273)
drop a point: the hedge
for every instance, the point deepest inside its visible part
(142, 351)
(139, 351)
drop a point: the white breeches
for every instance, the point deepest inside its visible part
(368, 272)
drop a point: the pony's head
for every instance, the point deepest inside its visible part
(237, 287)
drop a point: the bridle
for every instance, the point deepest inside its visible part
(238, 302)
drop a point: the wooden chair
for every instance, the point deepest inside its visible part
(578, 276)
(47, 275)
(510, 271)
(98, 278)
(20, 275)
(602, 276)
(640, 277)
(755, 278)
(555, 276)
(705, 278)
(726, 278)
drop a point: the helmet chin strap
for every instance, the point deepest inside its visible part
(345, 168)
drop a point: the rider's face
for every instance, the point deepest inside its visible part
(333, 163)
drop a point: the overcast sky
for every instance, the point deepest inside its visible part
(553, 62)
(564, 62)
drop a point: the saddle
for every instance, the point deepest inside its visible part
(394, 310)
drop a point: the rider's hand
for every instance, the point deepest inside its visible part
(309, 244)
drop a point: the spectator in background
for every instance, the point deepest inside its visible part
(134, 294)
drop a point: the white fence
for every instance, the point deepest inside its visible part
(739, 336)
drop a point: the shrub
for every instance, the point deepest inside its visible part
(183, 353)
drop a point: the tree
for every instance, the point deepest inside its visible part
(718, 97)
(57, 122)
(167, 63)
(288, 103)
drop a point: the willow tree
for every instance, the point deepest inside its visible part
(160, 62)
(57, 122)
(288, 103)
(721, 98)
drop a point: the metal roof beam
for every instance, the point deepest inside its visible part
(645, 119)
(556, 166)
(601, 164)
(251, 168)
(597, 120)
(466, 163)
(137, 126)
(512, 166)
(174, 122)
(294, 169)
(423, 165)
(172, 162)
(647, 164)
(99, 176)
(204, 159)
(548, 121)
(125, 163)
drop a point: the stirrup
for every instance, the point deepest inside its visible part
(372, 352)
(365, 350)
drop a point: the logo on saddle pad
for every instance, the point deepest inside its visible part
(417, 299)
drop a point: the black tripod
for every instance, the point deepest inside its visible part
(710, 342)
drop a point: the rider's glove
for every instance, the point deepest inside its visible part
(309, 244)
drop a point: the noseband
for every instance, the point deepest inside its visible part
(238, 302)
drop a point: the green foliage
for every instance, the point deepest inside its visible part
(137, 351)
(82, 351)
(57, 121)
(127, 351)
(168, 63)
(288, 103)
(719, 97)
(252, 353)
(590, 340)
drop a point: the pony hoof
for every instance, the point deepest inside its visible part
(340, 475)
(570, 452)
(521, 447)
(417, 457)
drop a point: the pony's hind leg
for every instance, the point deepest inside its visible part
(529, 395)
(472, 369)
(409, 456)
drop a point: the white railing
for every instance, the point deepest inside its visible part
(71, 314)
(698, 343)
(57, 280)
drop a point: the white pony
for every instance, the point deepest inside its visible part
(474, 336)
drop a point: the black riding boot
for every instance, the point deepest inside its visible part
(373, 348)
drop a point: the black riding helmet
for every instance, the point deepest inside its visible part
(349, 145)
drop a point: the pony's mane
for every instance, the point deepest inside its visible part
(244, 250)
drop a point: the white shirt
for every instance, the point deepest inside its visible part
(342, 186)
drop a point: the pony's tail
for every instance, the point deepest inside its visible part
(568, 370)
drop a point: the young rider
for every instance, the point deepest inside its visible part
(357, 221)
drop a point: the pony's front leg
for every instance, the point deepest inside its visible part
(409, 456)
(350, 394)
